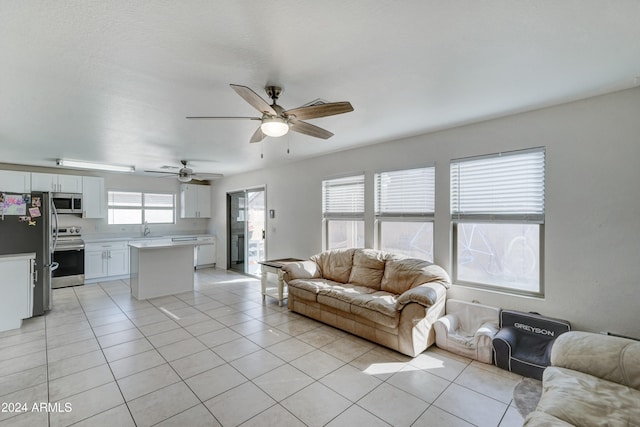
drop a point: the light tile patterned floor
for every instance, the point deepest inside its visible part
(219, 356)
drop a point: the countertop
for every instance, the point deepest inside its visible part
(162, 243)
(97, 238)
(11, 257)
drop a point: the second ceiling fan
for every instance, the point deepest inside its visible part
(276, 121)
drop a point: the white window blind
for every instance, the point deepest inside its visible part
(405, 193)
(125, 207)
(505, 186)
(124, 199)
(153, 200)
(343, 197)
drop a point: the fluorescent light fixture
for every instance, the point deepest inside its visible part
(274, 126)
(80, 164)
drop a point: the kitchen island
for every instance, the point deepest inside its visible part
(161, 267)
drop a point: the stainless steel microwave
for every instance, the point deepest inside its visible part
(67, 203)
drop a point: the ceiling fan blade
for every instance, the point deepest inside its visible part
(163, 172)
(257, 136)
(322, 110)
(206, 176)
(221, 118)
(309, 129)
(254, 99)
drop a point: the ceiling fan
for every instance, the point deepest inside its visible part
(276, 121)
(186, 174)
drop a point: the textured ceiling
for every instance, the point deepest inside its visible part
(113, 80)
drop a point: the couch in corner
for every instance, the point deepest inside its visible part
(388, 299)
(593, 380)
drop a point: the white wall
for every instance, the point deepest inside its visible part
(592, 229)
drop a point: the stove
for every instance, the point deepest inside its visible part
(68, 255)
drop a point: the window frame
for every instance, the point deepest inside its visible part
(399, 216)
(346, 215)
(537, 218)
(143, 208)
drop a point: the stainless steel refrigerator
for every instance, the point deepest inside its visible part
(29, 232)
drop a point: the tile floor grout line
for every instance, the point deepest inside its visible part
(109, 366)
(46, 361)
(173, 369)
(167, 362)
(252, 313)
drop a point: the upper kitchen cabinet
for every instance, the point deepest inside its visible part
(195, 201)
(56, 183)
(15, 182)
(94, 198)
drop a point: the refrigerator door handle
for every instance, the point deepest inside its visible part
(55, 234)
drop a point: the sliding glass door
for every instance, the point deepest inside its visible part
(246, 230)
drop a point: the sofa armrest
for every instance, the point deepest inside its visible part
(604, 356)
(507, 335)
(487, 329)
(426, 294)
(449, 323)
(301, 270)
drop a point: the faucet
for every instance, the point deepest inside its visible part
(146, 230)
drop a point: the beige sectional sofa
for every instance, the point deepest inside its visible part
(593, 380)
(388, 299)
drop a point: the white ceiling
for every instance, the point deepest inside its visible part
(113, 80)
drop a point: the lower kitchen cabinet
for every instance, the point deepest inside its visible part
(205, 252)
(106, 260)
(16, 287)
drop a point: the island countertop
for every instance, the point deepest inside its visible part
(163, 243)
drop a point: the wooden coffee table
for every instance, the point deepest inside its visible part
(275, 267)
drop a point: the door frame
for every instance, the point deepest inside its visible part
(246, 224)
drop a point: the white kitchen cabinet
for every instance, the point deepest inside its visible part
(195, 201)
(56, 183)
(94, 198)
(205, 252)
(118, 262)
(106, 260)
(16, 287)
(94, 264)
(15, 182)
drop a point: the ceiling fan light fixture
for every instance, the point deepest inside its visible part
(184, 178)
(274, 126)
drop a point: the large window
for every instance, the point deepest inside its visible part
(126, 207)
(497, 209)
(343, 212)
(404, 211)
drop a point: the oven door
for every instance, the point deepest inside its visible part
(70, 271)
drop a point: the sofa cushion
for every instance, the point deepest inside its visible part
(345, 292)
(308, 288)
(368, 268)
(335, 264)
(581, 399)
(379, 307)
(401, 274)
